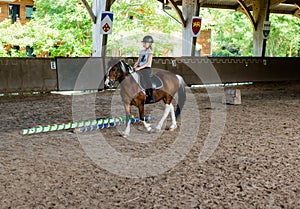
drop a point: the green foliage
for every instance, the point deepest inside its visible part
(284, 37)
(61, 28)
(3, 52)
(64, 28)
(133, 20)
(232, 33)
(15, 34)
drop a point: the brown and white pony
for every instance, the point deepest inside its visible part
(132, 93)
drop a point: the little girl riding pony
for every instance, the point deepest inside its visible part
(143, 66)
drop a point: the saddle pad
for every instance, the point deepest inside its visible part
(155, 80)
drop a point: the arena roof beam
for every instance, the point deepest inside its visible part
(276, 6)
(178, 12)
(248, 13)
(297, 11)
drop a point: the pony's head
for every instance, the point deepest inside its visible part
(116, 72)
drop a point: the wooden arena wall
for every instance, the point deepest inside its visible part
(27, 75)
(213, 70)
(44, 75)
(83, 73)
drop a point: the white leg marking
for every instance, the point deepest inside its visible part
(147, 126)
(174, 124)
(127, 130)
(166, 113)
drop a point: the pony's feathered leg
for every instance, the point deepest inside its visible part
(165, 115)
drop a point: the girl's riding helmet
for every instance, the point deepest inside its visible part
(148, 39)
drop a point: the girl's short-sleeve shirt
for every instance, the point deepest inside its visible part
(144, 56)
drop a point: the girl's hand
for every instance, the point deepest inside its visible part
(136, 64)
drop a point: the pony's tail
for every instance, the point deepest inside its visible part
(181, 96)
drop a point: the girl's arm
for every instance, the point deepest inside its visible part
(137, 62)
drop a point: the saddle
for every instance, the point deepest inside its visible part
(155, 81)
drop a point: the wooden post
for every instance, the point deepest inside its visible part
(260, 9)
(197, 13)
(265, 40)
(105, 37)
(188, 11)
(98, 7)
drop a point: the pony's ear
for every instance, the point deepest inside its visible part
(123, 66)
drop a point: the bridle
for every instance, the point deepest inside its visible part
(126, 70)
(108, 82)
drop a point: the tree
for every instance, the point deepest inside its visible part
(15, 35)
(133, 20)
(232, 33)
(284, 39)
(60, 28)
(63, 28)
(3, 52)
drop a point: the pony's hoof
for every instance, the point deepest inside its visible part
(124, 135)
(157, 129)
(172, 128)
(147, 126)
(149, 129)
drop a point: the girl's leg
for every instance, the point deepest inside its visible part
(146, 72)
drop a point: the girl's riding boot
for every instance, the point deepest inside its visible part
(150, 97)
